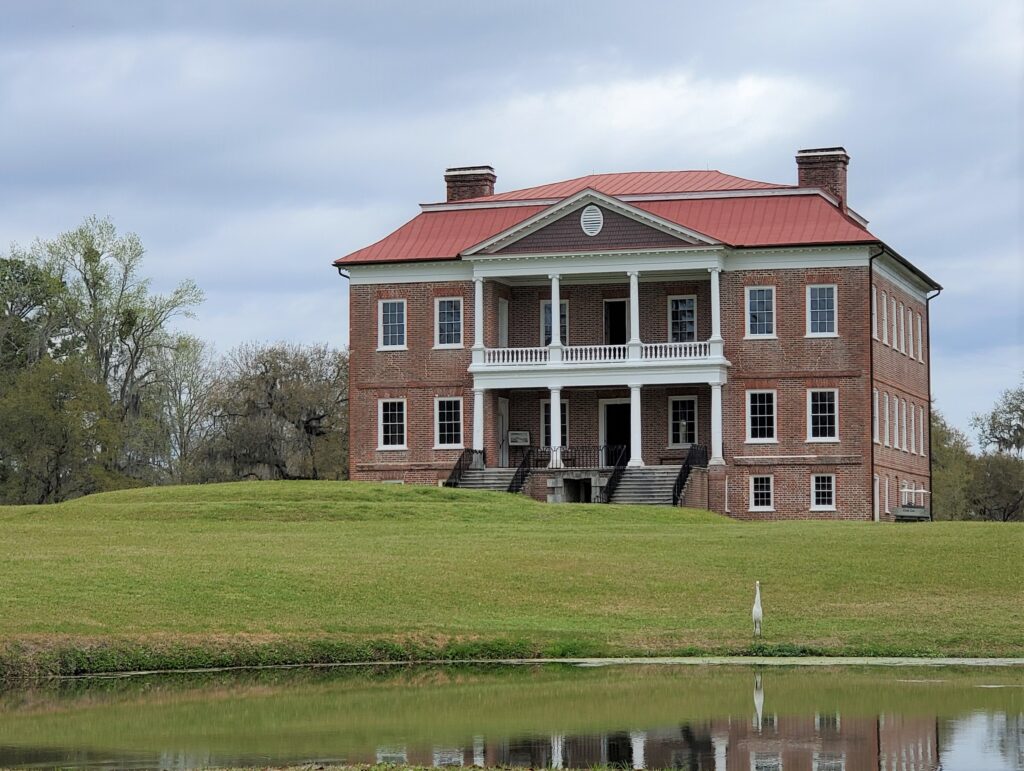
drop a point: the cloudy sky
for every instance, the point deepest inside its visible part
(251, 143)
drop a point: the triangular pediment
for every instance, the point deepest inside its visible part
(587, 222)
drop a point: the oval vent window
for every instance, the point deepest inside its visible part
(592, 220)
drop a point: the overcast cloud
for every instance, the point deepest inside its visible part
(251, 143)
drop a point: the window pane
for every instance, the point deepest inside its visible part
(684, 423)
(762, 311)
(822, 300)
(546, 420)
(762, 493)
(824, 493)
(823, 415)
(683, 320)
(393, 323)
(449, 421)
(393, 424)
(762, 415)
(449, 322)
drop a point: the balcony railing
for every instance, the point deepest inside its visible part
(597, 354)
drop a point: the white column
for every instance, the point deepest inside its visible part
(557, 751)
(478, 320)
(555, 428)
(717, 347)
(637, 740)
(716, 425)
(635, 428)
(634, 315)
(478, 424)
(555, 347)
(721, 745)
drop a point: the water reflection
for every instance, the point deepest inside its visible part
(701, 719)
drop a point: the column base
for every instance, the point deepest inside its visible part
(716, 462)
(635, 462)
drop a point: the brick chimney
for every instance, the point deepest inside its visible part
(824, 167)
(469, 182)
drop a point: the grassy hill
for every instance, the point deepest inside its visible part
(280, 572)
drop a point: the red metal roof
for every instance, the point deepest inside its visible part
(441, 235)
(762, 220)
(636, 183)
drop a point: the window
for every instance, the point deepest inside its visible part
(913, 430)
(887, 509)
(920, 428)
(682, 417)
(920, 340)
(821, 311)
(391, 424)
(448, 322)
(822, 415)
(895, 422)
(762, 496)
(910, 333)
(828, 761)
(682, 319)
(765, 761)
(760, 311)
(823, 492)
(906, 494)
(448, 423)
(903, 331)
(545, 422)
(874, 414)
(874, 312)
(885, 413)
(391, 324)
(885, 318)
(903, 426)
(895, 341)
(545, 322)
(761, 416)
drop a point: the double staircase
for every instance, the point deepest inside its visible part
(497, 479)
(646, 485)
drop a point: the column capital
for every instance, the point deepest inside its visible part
(555, 388)
(715, 269)
(632, 273)
(479, 279)
(554, 276)
(479, 390)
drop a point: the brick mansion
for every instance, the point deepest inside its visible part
(677, 337)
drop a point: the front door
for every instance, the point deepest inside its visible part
(616, 322)
(502, 432)
(616, 427)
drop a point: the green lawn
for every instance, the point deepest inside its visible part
(281, 571)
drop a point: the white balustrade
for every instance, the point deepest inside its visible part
(595, 353)
(516, 356)
(692, 350)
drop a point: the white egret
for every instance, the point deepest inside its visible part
(758, 614)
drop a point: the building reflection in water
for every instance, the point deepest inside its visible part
(766, 741)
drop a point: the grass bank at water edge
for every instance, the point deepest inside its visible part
(316, 572)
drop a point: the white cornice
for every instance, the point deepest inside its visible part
(421, 272)
(906, 280)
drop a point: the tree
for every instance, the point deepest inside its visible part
(281, 412)
(1003, 426)
(996, 489)
(30, 326)
(186, 373)
(54, 422)
(952, 470)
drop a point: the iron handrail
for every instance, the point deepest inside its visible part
(522, 472)
(697, 457)
(463, 464)
(577, 457)
(615, 476)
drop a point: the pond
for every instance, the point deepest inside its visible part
(704, 718)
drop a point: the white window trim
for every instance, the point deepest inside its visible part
(920, 340)
(816, 760)
(814, 506)
(380, 324)
(437, 323)
(775, 415)
(835, 310)
(746, 311)
(381, 447)
(895, 339)
(874, 312)
(750, 491)
(903, 425)
(696, 422)
(668, 314)
(888, 509)
(874, 416)
(548, 302)
(910, 333)
(885, 318)
(822, 440)
(895, 422)
(437, 423)
(913, 429)
(920, 428)
(565, 406)
(885, 412)
(903, 331)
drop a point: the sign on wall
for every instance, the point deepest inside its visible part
(519, 438)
